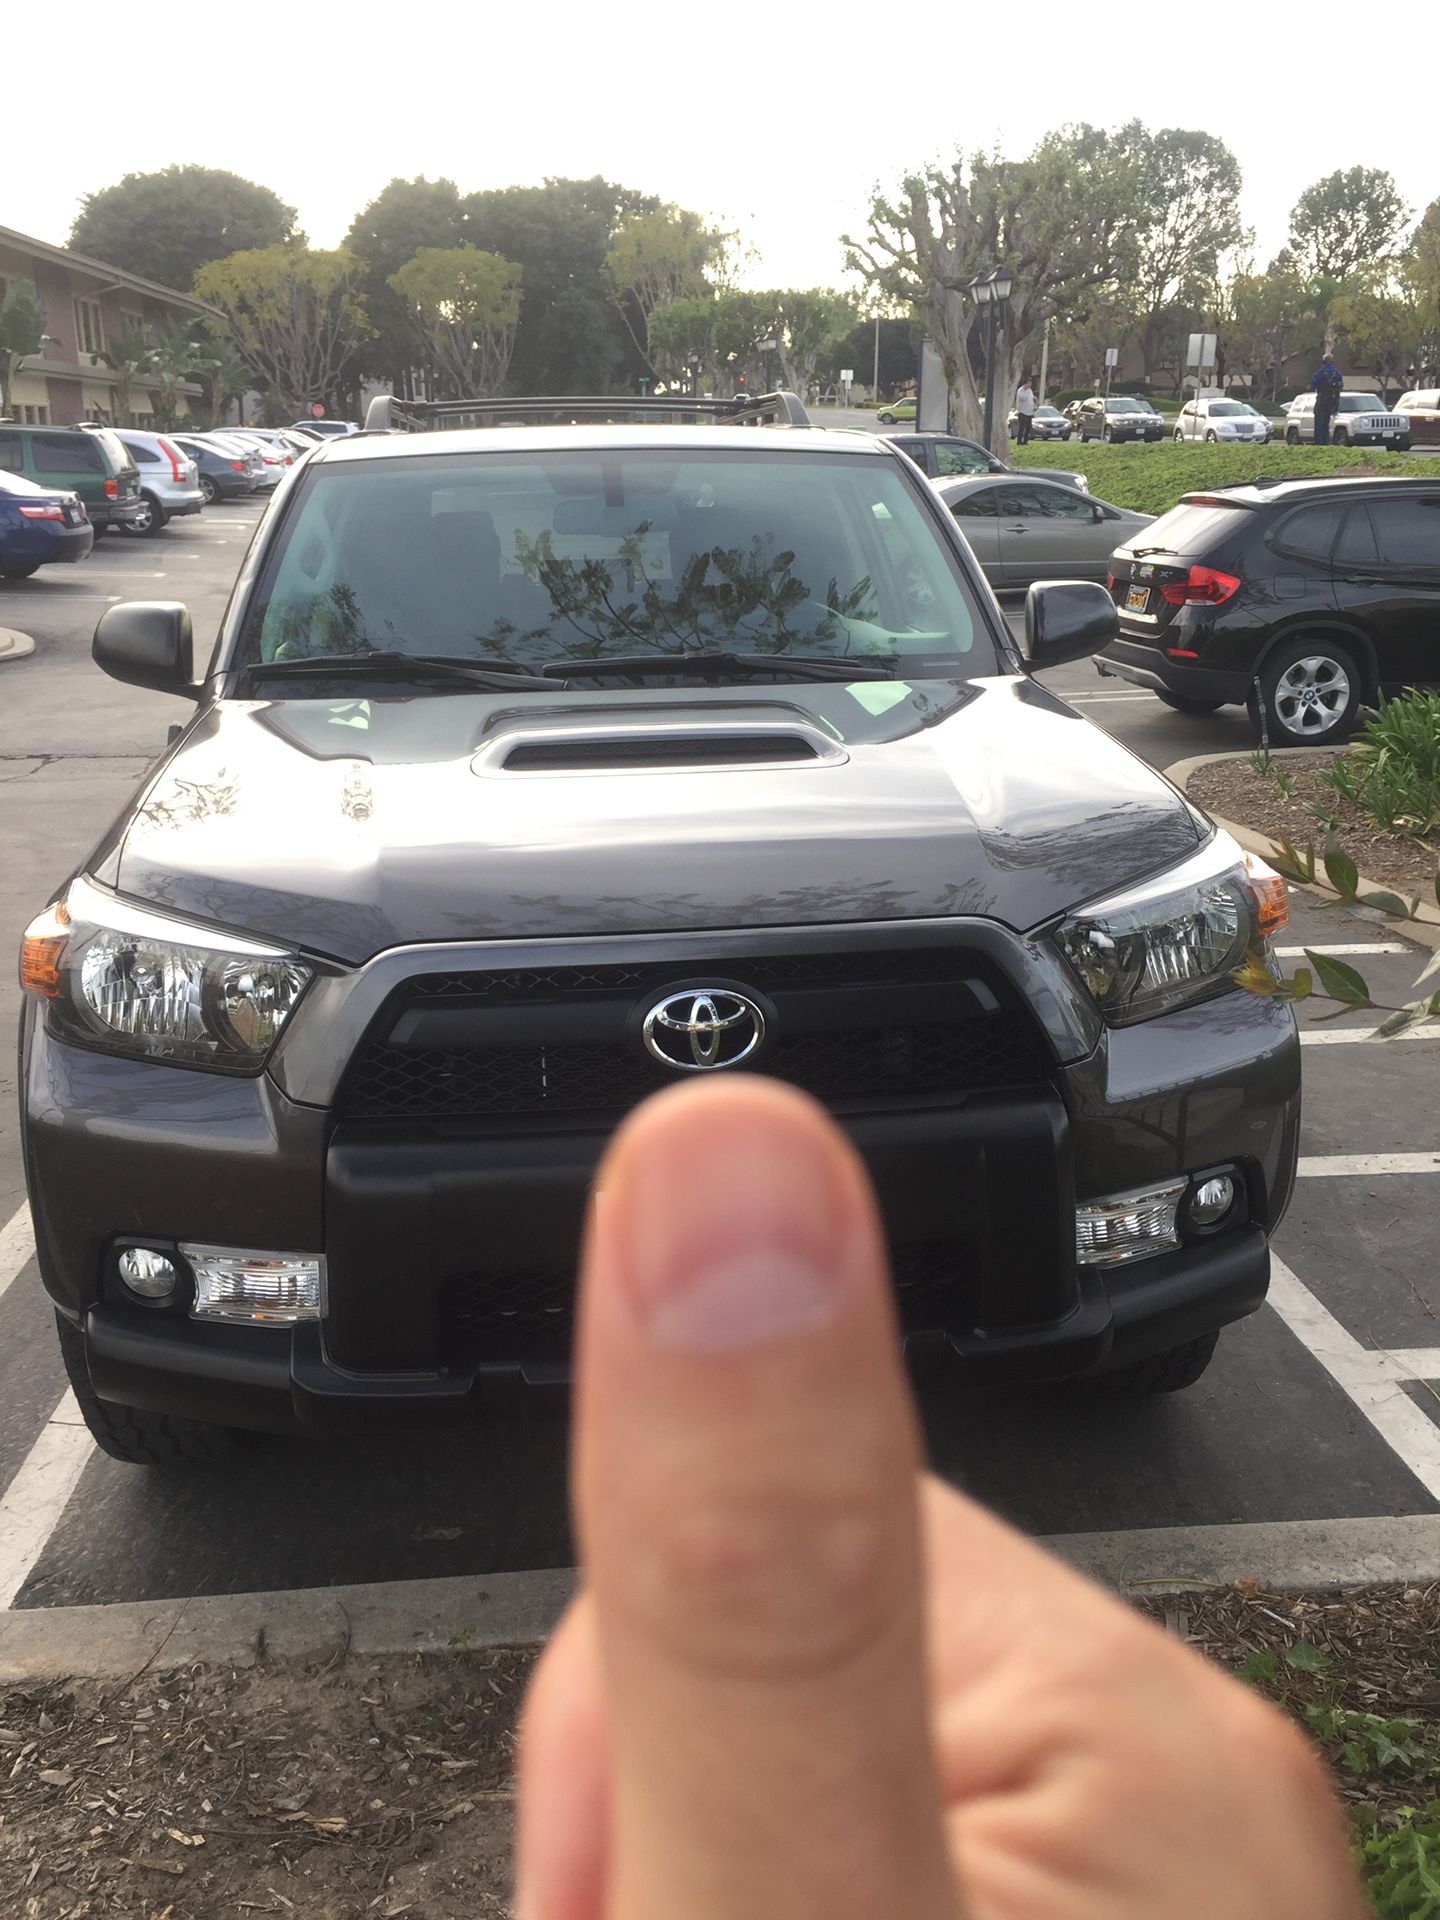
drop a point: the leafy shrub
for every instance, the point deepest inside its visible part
(1151, 477)
(1392, 773)
(1401, 1863)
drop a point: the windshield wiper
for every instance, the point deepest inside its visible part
(735, 666)
(499, 676)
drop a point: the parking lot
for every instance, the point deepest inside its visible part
(1323, 1407)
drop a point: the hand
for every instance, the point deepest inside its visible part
(803, 1684)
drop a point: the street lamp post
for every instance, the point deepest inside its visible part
(991, 291)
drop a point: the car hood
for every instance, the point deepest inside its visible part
(348, 826)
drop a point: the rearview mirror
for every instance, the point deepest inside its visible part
(1065, 620)
(148, 643)
(1097, 512)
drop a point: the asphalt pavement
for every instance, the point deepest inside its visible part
(1314, 1410)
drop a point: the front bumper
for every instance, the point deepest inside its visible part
(450, 1248)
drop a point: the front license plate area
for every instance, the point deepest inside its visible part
(1137, 599)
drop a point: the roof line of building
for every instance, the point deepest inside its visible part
(68, 257)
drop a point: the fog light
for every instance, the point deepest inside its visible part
(255, 1286)
(151, 1275)
(1211, 1200)
(1127, 1226)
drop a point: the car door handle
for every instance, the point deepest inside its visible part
(1019, 529)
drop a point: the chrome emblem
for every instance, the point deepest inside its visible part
(703, 1028)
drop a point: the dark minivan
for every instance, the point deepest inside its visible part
(94, 463)
(1306, 599)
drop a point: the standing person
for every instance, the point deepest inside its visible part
(1328, 381)
(1024, 409)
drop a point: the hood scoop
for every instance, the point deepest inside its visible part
(676, 748)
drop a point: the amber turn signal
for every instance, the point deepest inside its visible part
(1267, 889)
(42, 950)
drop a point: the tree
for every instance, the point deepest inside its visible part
(166, 226)
(464, 304)
(129, 354)
(1344, 222)
(654, 258)
(296, 315)
(856, 349)
(1064, 220)
(1265, 314)
(1191, 187)
(403, 218)
(174, 357)
(806, 320)
(22, 333)
(226, 375)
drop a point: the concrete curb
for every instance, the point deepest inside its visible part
(13, 645)
(1425, 930)
(521, 1609)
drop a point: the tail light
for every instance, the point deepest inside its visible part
(112, 489)
(1202, 587)
(237, 466)
(48, 512)
(1109, 582)
(176, 459)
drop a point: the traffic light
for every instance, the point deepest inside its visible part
(740, 381)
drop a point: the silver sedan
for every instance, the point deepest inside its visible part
(1022, 530)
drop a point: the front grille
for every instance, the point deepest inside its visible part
(883, 1048)
(515, 1312)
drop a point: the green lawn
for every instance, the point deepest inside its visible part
(1150, 479)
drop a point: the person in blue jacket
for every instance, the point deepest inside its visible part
(1328, 381)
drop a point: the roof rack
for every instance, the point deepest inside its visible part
(388, 414)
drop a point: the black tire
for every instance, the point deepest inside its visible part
(1292, 436)
(1108, 436)
(1182, 703)
(1402, 446)
(1325, 664)
(1340, 437)
(885, 419)
(1168, 1372)
(20, 569)
(133, 1434)
(153, 518)
(1212, 439)
(1179, 436)
(211, 493)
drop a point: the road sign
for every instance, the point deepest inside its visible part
(1201, 351)
(317, 409)
(1112, 356)
(847, 376)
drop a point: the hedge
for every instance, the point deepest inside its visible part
(1151, 478)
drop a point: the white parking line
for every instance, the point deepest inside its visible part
(1319, 1166)
(1343, 947)
(1370, 1379)
(17, 1246)
(1416, 1363)
(1343, 1036)
(1093, 699)
(37, 1496)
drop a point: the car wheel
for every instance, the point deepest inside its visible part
(1168, 1372)
(1178, 436)
(1182, 703)
(1108, 436)
(1402, 446)
(1340, 437)
(1311, 691)
(134, 1434)
(1292, 436)
(211, 492)
(20, 569)
(149, 521)
(886, 419)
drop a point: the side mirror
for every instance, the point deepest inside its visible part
(148, 643)
(1097, 512)
(1065, 620)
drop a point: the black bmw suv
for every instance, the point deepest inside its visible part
(538, 766)
(1301, 599)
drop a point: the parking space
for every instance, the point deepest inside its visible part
(1317, 1409)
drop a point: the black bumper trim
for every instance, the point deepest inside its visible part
(1149, 667)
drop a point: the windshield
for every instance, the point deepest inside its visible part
(1360, 403)
(1222, 409)
(1126, 406)
(539, 559)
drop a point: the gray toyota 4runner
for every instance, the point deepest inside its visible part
(551, 752)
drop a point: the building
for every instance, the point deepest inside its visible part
(87, 304)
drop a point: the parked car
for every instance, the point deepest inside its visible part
(1118, 416)
(1021, 530)
(327, 429)
(300, 443)
(281, 1052)
(230, 442)
(1310, 598)
(1360, 419)
(39, 526)
(1046, 423)
(1216, 419)
(225, 472)
(169, 479)
(896, 410)
(93, 463)
(275, 460)
(942, 455)
(1421, 408)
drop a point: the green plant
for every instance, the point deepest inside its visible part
(1392, 773)
(1151, 478)
(1401, 1864)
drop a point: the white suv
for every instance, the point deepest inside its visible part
(169, 479)
(1360, 420)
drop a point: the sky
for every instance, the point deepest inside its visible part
(777, 122)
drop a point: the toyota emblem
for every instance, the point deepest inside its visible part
(703, 1028)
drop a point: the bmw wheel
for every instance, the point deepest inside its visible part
(1311, 690)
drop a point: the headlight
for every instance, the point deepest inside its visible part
(125, 980)
(1179, 937)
